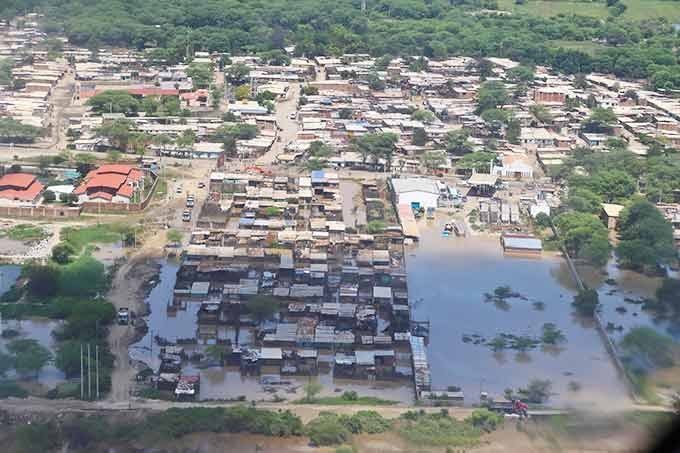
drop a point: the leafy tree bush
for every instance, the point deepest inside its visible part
(537, 392)
(62, 252)
(654, 349)
(586, 302)
(43, 281)
(262, 307)
(646, 237)
(327, 429)
(485, 419)
(84, 277)
(29, 356)
(584, 236)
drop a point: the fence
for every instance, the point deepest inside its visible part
(42, 211)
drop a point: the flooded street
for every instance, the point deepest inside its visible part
(227, 383)
(447, 280)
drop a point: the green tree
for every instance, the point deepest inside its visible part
(538, 391)
(67, 357)
(311, 389)
(491, 95)
(419, 137)
(521, 74)
(237, 74)
(479, 161)
(118, 132)
(650, 346)
(43, 281)
(377, 146)
(111, 101)
(187, 139)
(646, 237)
(242, 92)
(586, 302)
(425, 116)
(62, 252)
(600, 121)
(12, 131)
(541, 113)
(584, 236)
(201, 74)
(84, 277)
(375, 82)
(584, 200)
(457, 142)
(513, 131)
(262, 307)
(29, 356)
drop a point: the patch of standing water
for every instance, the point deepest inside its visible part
(39, 329)
(448, 277)
(8, 276)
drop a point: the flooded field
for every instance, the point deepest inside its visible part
(227, 382)
(39, 329)
(447, 280)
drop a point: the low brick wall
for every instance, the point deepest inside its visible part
(41, 211)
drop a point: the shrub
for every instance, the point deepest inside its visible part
(327, 429)
(61, 253)
(370, 422)
(11, 389)
(438, 429)
(485, 419)
(37, 437)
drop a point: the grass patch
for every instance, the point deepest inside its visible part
(589, 47)
(637, 9)
(438, 429)
(26, 232)
(347, 399)
(79, 238)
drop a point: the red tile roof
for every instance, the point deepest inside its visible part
(104, 195)
(126, 190)
(111, 179)
(114, 168)
(28, 194)
(18, 180)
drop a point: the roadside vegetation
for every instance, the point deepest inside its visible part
(348, 398)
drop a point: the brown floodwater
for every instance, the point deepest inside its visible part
(448, 277)
(227, 382)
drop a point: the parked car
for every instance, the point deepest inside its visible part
(201, 185)
(186, 216)
(123, 316)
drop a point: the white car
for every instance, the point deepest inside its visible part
(292, 116)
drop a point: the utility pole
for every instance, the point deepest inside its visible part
(89, 374)
(96, 355)
(82, 374)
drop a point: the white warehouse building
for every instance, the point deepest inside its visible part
(416, 192)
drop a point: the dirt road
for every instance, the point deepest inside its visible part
(289, 126)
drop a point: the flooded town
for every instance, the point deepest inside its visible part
(285, 230)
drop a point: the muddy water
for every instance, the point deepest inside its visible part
(8, 275)
(39, 329)
(227, 382)
(447, 279)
